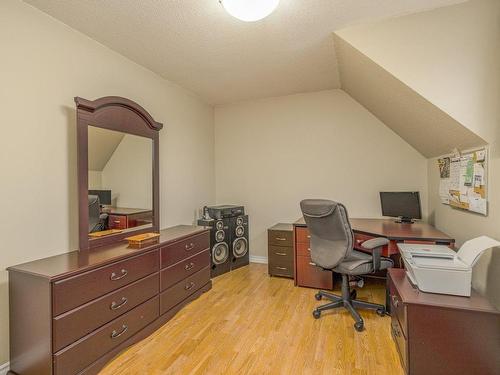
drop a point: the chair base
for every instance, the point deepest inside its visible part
(349, 302)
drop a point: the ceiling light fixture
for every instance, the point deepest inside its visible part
(249, 10)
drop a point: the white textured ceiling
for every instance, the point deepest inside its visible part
(197, 45)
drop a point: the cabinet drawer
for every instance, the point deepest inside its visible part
(181, 270)
(76, 357)
(401, 342)
(69, 327)
(183, 249)
(302, 235)
(280, 238)
(117, 222)
(279, 252)
(303, 249)
(397, 308)
(77, 290)
(312, 276)
(281, 267)
(183, 289)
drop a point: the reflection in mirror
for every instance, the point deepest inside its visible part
(120, 182)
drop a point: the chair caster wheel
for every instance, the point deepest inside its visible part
(381, 311)
(354, 294)
(316, 314)
(359, 326)
(318, 297)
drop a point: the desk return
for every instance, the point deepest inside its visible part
(309, 275)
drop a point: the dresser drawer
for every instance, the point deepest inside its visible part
(183, 289)
(279, 252)
(397, 308)
(70, 326)
(181, 270)
(77, 290)
(312, 276)
(84, 352)
(280, 238)
(302, 235)
(281, 267)
(117, 222)
(303, 249)
(180, 250)
(401, 342)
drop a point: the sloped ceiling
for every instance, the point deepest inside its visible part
(197, 45)
(102, 145)
(426, 127)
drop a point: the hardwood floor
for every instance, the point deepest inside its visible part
(250, 323)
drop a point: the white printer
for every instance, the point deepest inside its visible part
(439, 269)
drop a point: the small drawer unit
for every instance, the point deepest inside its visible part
(280, 250)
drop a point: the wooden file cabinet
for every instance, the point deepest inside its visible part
(442, 334)
(306, 272)
(280, 250)
(70, 314)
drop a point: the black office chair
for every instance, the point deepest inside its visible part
(97, 220)
(332, 248)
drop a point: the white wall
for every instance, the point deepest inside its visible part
(43, 65)
(449, 55)
(271, 153)
(128, 173)
(95, 180)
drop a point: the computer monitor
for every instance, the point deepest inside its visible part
(104, 196)
(402, 204)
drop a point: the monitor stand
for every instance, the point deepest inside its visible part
(405, 220)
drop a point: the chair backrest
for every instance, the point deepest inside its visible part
(94, 212)
(332, 238)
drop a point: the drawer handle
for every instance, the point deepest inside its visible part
(281, 238)
(308, 236)
(312, 264)
(116, 306)
(115, 277)
(308, 249)
(189, 266)
(281, 268)
(117, 221)
(189, 286)
(282, 254)
(189, 247)
(395, 300)
(115, 334)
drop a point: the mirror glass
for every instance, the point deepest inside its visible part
(120, 182)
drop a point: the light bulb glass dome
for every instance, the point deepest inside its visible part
(250, 10)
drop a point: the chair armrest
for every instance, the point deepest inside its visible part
(376, 245)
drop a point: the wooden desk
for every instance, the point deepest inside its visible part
(124, 218)
(442, 334)
(307, 274)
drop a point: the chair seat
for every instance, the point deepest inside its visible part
(359, 263)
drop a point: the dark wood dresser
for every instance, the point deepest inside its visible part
(72, 313)
(442, 334)
(280, 250)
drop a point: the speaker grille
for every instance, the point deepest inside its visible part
(220, 253)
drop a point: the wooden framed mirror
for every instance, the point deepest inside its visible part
(118, 170)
